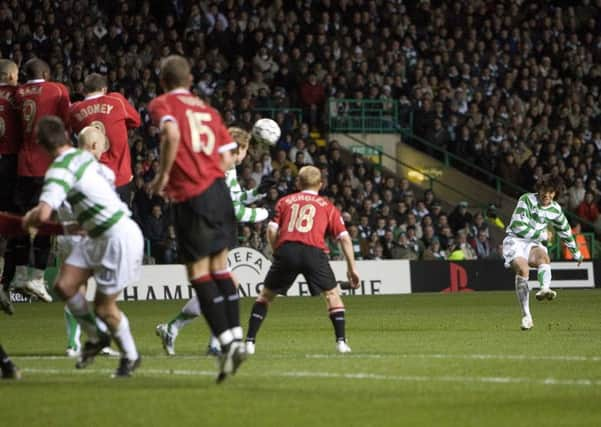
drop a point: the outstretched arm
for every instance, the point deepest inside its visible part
(347, 249)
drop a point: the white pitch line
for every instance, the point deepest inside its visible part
(583, 382)
(555, 358)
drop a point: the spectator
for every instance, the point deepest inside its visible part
(434, 252)
(404, 249)
(482, 245)
(588, 209)
(460, 218)
(155, 230)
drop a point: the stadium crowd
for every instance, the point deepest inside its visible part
(511, 86)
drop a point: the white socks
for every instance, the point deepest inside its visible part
(544, 276)
(188, 313)
(78, 306)
(523, 293)
(125, 340)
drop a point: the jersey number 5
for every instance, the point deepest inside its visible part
(301, 218)
(203, 137)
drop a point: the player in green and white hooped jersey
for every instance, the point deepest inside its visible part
(93, 140)
(111, 250)
(523, 247)
(168, 332)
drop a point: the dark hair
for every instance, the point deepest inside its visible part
(175, 72)
(35, 68)
(51, 133)
(549, 184)
(94, 83)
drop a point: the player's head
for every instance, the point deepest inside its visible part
(9, 72)
(95, 83)
(309, 178)
(36, 69)
(547, 189)
(242, 138)
(51, 134)
(93, 140)
(175, 73)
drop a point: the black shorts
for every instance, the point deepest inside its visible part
(8, 178)
(124, 191)
(27, 192)
(204, 224)
(292, 259)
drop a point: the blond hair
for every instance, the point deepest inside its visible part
(309, 177)
(241, 136)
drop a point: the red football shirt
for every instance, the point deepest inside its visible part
(36, 99)
(202, 137)
(10, 131)
(114, 115)
(306, 217)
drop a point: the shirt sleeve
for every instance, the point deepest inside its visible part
(560, 223)
(57, 184)
(64, 104)
(132, 117)
(225, 142)
(277, 217)
(160, 112)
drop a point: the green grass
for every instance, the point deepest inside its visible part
(418, 360)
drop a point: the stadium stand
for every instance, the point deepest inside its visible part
(512, 88)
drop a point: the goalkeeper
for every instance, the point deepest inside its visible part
(168, 332)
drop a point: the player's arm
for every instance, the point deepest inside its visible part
(337, 228)
(64, 104)
(246, 214)
(57, 184)
(272, 234)
(561, 225)
(36, 216)
(346, 245)
(132, 117)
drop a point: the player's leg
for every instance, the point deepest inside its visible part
(118, 324)
(539, 259)
(280, 277)
(73, 334)
(168, 332)
(68, 286)
(31, 254)
(8, 368)
(319, 275)
(520, 268)
(516, 254)
(257, 316)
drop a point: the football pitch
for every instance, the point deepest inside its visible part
(418, 360)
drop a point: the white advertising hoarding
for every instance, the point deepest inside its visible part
(165, 282)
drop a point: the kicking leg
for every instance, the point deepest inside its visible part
(540, 260)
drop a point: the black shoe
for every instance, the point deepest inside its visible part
(10, 371)
(91, 349)
(5, 304)
(127, 367)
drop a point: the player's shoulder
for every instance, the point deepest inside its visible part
(158, 101)
(59, 86)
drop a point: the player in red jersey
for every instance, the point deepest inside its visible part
(9, 146)
(35, 99)
(113, 115)
(296, 234)
(195, 152)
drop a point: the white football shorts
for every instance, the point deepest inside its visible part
(115, 257)
(515, 247)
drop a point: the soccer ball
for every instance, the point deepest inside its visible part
(266, 131)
